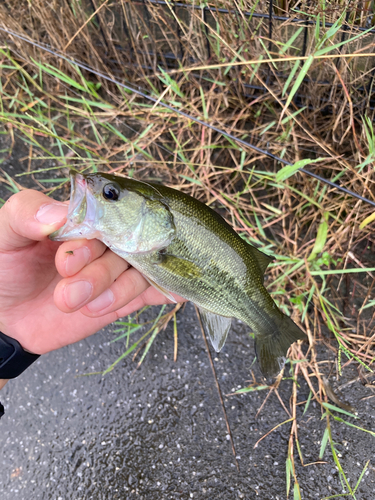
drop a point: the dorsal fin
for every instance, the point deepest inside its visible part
(262, 259)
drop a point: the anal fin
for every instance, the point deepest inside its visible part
(216, 327)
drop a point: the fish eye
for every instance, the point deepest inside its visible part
(111, 192)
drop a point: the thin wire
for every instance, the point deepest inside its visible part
(189, 117)
(250, 14)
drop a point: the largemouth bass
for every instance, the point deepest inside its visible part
(182, 246)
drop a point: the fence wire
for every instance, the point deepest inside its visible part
(152, 34)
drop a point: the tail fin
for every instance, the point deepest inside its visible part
(271, 348)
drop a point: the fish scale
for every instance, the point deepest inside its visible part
(184, 247)
(231, 284)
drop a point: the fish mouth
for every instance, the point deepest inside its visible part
(82, 212)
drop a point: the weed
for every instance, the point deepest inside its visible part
(265, 92)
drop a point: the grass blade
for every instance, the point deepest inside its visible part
(290, 170)
(321, 237)
(301, 76)
(329, 406)
(324, 443)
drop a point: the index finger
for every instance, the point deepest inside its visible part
(29, 216)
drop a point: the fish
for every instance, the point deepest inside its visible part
(182, 246)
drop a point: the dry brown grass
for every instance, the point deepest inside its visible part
(216, 72)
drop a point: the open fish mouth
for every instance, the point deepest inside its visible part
(82, 212)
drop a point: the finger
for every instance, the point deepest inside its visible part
(150, 297)
(73, 293)
(29, 216)
(131, 291)
(73, 256)
(128, 286)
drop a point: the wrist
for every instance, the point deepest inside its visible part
(2, 383)
(13, 358)
(15, 335)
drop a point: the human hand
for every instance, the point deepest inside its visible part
(54, 294)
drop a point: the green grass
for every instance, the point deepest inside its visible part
(66, 117)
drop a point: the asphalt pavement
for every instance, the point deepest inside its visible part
(159, 432)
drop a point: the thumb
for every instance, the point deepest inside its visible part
(29, 216)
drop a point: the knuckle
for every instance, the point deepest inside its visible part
(142, 302)
(96, 247)
(117, 264)
(14, 203)
(131, 291)
(102, 274)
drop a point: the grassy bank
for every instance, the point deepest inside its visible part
(272, 94)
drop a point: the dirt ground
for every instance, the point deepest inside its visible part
(159, 433)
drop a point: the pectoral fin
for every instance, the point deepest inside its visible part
(161, 289)
(216, 327)
(178, 266)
